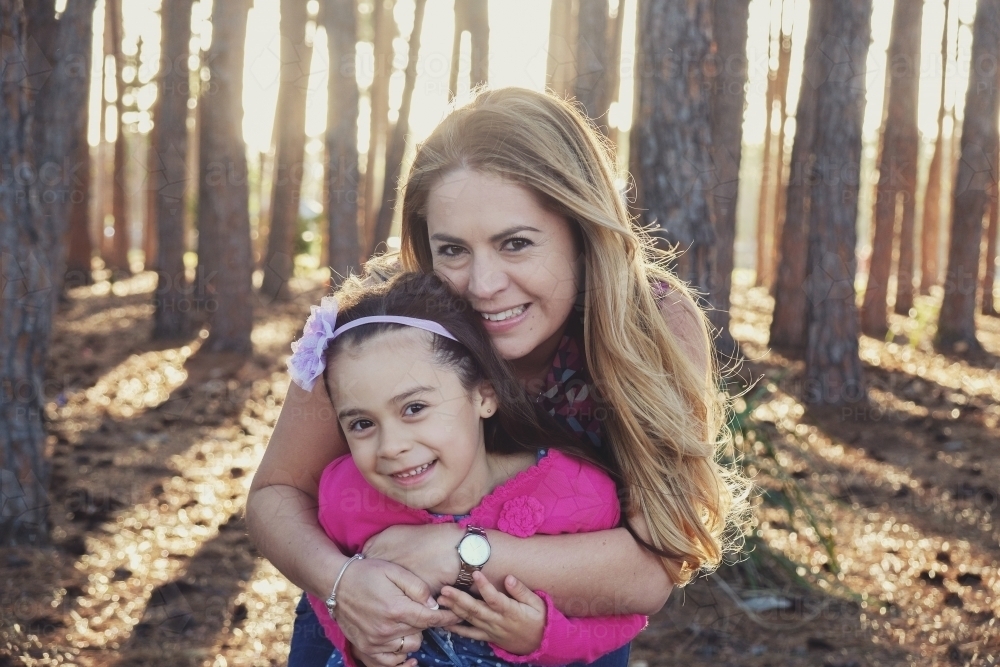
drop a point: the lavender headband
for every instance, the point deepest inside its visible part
(307, 361)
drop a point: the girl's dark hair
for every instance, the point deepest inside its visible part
(519, 424)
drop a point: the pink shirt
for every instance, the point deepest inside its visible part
(558, 495)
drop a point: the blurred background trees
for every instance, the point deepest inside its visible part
(760, 137)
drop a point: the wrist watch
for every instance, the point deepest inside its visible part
(473, 552)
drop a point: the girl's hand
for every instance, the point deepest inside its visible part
(514, 623)
(380, 603)
(427, 551)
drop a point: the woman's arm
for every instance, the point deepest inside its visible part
(281, 506)
(587, 574)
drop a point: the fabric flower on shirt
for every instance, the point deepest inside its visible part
(521, 516)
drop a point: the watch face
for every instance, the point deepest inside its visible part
(474, 550)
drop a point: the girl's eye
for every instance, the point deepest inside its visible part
(449, 250)
(517, 243)
(360, 425)
(413, 408)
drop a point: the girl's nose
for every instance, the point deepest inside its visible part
(392, 443)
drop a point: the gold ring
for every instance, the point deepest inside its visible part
(402, 640)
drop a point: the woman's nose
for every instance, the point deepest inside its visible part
(486, 279)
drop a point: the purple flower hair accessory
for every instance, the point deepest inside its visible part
(307, 363)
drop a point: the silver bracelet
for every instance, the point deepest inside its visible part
(331, 602)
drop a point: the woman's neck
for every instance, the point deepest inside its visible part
(533, 369)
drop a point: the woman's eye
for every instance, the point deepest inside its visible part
(449, 250)
(413, 408)
(516, 243)
(360, 425)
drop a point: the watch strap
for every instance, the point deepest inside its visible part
(465, 570)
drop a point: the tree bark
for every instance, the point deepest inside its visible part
(342, 178)
(397, 145)
(615, 79)
(223, 196)
(377, 137)
(833, 366)
(671, 134)
(456, 49)
(26, 265)
(47, 93)
(909, 157)
(290, 126)
(780, 180)
(118, 258)
(560, 69)
(897, 186)
(771, 166)
(990, 270)
(61, 90)
(930, 233)
(728, 104)
(957, 320)
(169, 152)
(593, 64)
(788, 322)
(80, 246)
(479, 31)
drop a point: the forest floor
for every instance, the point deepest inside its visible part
(889, 555)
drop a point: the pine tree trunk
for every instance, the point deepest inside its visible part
(342, 178)
(397, 144)
(479, 31)
(908, 137)
(728, 103)
(384, 26)
(780, 179)
(897, 186)
(456, 49)
(593, 65)
(833, 366)
(671, 134)
(169, 153)
(931, 222)
(560, 69)
(79, 244)
(118, 259)
(224, 195)
(788, 323)
(150, 237)
(33, 226)
(615, 66)
(764, 200)
(26, 265)
(290, 126)
(62, 89)
(957, 321)
(990, 270)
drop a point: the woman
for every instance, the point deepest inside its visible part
(512, 200)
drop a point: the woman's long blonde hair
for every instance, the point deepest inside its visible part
(665, 417)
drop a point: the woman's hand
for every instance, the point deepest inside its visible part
(427, 551)
(379, 604)
(515, 623)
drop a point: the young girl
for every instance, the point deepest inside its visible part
(440, 431)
